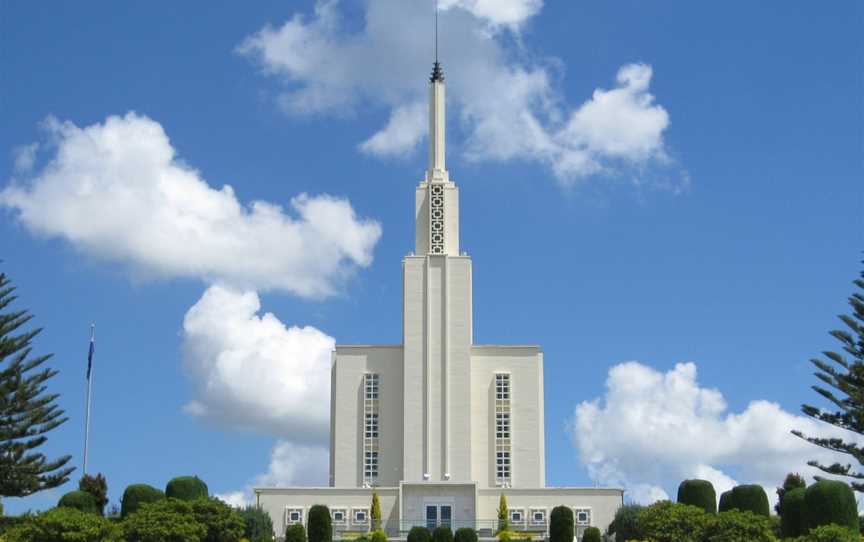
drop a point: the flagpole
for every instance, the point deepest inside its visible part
(89, 392)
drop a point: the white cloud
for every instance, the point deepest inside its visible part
(237, 499)
(511, 13)
(117, 190)
(252, 372)
(290, 466)
(651, 430)
(293, 465)
(503, 98)
(24, 157)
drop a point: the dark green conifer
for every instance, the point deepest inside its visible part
(843, 376)
(27, 411)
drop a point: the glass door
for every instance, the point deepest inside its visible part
(445, 513)
(431, 516)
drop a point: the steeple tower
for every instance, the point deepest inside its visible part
(437, 121)
(437, 209)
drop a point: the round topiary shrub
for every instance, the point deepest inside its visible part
(793, 520)
(830, 501)
(79, 500)
(419, 534)
(295, 533)
(136, 495)
(561, 524)
(592, 534)
(746, 498)
(442, 533)
(318, 527)
(186, 488)
(465, 534)
(698, 493)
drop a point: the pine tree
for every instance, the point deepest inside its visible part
(845, 374)
(27, 412)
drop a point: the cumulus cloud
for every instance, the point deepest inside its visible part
(290, 465)
(511, 13)
(651, 430)
(504, 99)
(24, 157)
(118, 190)
(251, 371)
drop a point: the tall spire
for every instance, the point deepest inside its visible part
(437, 171)
(437, 121)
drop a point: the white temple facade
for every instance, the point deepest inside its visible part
(438, 426)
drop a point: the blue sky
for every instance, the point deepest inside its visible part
(724, 231)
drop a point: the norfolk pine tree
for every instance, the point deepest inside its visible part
(27, 412)
(843, 376)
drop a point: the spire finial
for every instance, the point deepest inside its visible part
(437, 72)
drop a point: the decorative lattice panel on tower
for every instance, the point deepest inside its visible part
(436, 222)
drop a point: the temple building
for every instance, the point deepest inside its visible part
(438, 426)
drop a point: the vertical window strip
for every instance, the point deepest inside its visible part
(371, 429)
(503, 465)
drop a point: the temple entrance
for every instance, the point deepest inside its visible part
(438, 515)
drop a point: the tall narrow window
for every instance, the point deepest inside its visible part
(371, 431)
(503, 472)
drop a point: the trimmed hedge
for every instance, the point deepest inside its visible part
(79, 500)
(746, 498)
(442, 533)
(378, 535)
(419, 534)
(136, 495)
(295, 533)
(465, 534)
(561, 524)
(319, 526)
(186, 488)
(592, 534)
(830, 501)
(793, 519)
(698, 493)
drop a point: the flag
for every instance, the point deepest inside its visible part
(90, 356)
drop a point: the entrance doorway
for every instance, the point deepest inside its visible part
(438, 514)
